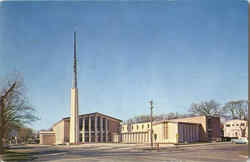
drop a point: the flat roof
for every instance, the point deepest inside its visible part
(174, 120)
(162, 121)
(95, 113)
(82, 115)
(47, 132)
(169, 121)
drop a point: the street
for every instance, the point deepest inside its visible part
(222, 152)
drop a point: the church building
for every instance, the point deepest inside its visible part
(76, 129)
(93, 127)
(97, 127)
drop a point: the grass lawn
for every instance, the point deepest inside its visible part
(17, 156)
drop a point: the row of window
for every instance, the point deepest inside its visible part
(229, 125)
(99, 123)
(137, 127)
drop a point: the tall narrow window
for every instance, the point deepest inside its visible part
(80, 137)
(98, 123)
(80, 123)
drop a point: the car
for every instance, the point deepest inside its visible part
(240, 141)
(5, 145)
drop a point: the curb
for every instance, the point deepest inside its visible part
(189, 145)
(205, 144)
(244, 156)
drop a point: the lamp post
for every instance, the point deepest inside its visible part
(151, 121)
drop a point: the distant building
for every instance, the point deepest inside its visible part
(47, 137)
(193, 129)
(94, 127)
(12, 136)
(236, 128)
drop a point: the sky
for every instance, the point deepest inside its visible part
(129, 52)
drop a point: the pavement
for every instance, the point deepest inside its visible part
(221, 152)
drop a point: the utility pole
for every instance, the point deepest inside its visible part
(151, 121)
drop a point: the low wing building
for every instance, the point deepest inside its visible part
(163, 132)
(193, 129)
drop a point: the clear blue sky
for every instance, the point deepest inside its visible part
(174, 52)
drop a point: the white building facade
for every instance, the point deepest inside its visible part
(236, 128)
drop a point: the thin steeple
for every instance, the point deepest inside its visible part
(75, 65)
(74, 119)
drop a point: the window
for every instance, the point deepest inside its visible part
(132, 127)
(80, 124)
(80, 137)
(92, 123)
(232, 124)
(123, 128)
(155, 137)
(228, 125)
(142, 127)
(148, 125)
(237, 124)
(108, 124)
(137, 127)
(209, 123)
(103, 123)
(98, 123)
(86, 125)
(242, 124)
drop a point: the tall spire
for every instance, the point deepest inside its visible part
(74, 119)
(75, 65)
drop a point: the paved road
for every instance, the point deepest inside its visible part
(127, 153)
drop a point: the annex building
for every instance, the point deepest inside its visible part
(163, 132)
(193, 129)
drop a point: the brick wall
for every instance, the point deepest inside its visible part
(216, 131)
(114, 126)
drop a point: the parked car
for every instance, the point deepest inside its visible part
(5, 145)
(240, 141)
(226, 139)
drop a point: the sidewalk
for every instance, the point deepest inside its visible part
(201, 144)
(180, 146)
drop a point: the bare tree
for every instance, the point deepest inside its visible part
(14, 110)
(208, 108)
(236, 109)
